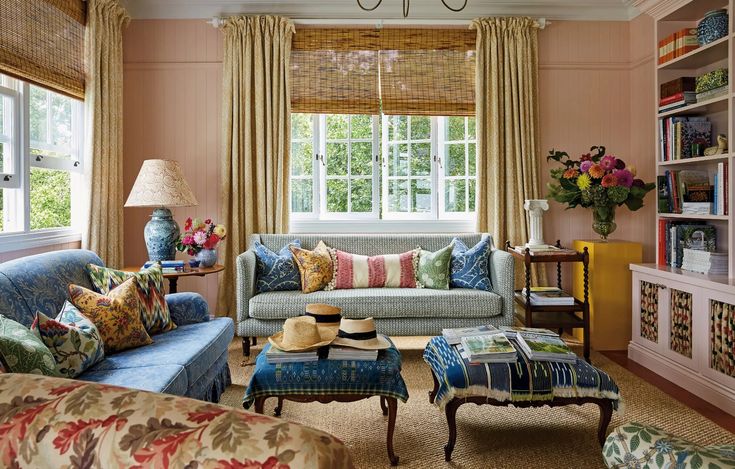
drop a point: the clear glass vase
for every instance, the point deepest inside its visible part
(603, 220)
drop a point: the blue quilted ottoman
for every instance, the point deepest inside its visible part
(522, 384)
(331, 380)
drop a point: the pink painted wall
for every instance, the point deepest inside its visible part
(596, 87)
(8, 256)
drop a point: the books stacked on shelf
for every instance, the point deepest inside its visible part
(721, 190)
(350, 353)
(711, 94)
(549, 296)
(675, 236)
(704, 262)
(168, 267)
(679, 134)
(511, 331)
(686, 192)
(677, 44)
(545, 348)
(454, 336)
(712, 84)
(548, 249)
(495, 348)
(275, 355)
(677, 100)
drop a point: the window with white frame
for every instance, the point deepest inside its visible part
(40, 159)
(357, 167)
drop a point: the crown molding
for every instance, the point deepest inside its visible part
(658, 8)
(579, 10)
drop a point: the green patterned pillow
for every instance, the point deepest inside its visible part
(433, 271)
(154, 310)
(22, 352)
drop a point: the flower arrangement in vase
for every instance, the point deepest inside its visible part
(200, 240)
(597, 181)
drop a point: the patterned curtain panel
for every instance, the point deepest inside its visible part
(256, 127)
(722, 340)
(42, 41)
(507, 126)
(103, 130)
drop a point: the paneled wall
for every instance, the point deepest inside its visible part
(596, 87)
(7, 256)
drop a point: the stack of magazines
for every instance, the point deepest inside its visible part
(275, 355)
(350, 353)
(495, 348)
(549, 296)
(545, 347)
(454, 336)
(704, 262)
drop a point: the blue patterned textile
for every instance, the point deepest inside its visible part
(187, 308)
(276, 271)
(469, 267)
(168, 379)
(376, 378)
(522, 381)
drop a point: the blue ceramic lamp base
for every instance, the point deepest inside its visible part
(161, 235)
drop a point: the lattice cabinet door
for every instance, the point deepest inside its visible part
(678, 323)
(650, 301)
(719, 351)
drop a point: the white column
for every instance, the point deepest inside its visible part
(535, 209)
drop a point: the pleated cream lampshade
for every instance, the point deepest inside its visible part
(161, 183)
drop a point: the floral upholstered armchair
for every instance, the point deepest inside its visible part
(52, 422)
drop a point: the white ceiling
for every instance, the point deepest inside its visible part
(615, 10)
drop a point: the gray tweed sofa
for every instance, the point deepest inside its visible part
(397, 311)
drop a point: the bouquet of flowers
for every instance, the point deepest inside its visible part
(200, 234)
(596, 180)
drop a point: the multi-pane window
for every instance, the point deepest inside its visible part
(390, 167)
(40, 151)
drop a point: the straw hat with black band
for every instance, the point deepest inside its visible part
(302, 334)
(325, 315)
(361, 334)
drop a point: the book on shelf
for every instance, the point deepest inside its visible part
(549, 296)
(275, 355)
(454, 336)
(686, 191)
(678, 85)
(711, 94)
(351, 354)
(494, 348)
(678, 134)
(684, 96)
(679, 235)
(696, 208)
(172, 270)
(685, 41)
(543, 347)
(511, 331)
(704, 262)
(164, 264)
(721, 189)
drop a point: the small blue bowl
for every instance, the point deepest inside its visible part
(193, 263)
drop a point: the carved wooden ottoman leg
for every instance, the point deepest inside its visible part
(259, 403)
(246, 346)
(606, 410)
(279, 407)
(392, 411)
(451, 412)
(432, 393)
(255, 340)
(383, 405)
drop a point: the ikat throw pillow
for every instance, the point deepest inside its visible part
(22, 352)
(314, 266)
(116, 315)
(150, 290)
(384, 271)
(72, 338)
(433, 270)
(469, 267)
(276, 271)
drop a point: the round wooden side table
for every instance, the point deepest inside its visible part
(173, 278)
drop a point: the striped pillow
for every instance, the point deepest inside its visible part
(385, 271)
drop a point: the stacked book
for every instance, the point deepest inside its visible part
(275, 355)
(704, 262)
(675, 236)
(169, 267)
(545, 347)
(549, 296)
(349, 353)
(721, 190)
(679, 134)
(677, 44)
(454, 336)
(495, 348)
(687, 191)
(681, 99)
(511, 331)
(544, 250)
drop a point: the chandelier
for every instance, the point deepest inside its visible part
(407, 6)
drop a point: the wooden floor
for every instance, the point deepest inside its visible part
(713, 413)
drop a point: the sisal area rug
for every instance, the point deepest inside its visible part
(487, 437)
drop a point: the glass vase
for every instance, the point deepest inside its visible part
(603, 221)
(207, 257)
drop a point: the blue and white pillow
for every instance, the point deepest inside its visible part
(276, 271)
(469, 267)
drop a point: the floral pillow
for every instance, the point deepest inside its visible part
(469, 266)
(116, 315)
(314, 266)
(433, 269)
(151, 293)
(22, 352)
(73, 340)
(385, 271)
(276, 271)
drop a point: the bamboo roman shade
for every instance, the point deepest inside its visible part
(398, 71)
(42, 41)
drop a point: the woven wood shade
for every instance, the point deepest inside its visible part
(402, 71)
(42, 41)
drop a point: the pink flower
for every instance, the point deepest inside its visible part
(608, 162)
(609, 180)
(624, 177)
(585, 166)
(188, 240)
(200, 237)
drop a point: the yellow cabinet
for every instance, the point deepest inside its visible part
(610, 294)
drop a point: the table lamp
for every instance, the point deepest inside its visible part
(161, 184)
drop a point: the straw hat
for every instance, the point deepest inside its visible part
(325, 315)
(301, 334)
(360, 333)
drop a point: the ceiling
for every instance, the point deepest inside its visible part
(421, 10)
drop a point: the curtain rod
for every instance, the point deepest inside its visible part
(217, 22)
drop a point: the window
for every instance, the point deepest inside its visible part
(401, 168)
(40, 161)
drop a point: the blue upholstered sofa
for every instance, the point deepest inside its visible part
(189, 361)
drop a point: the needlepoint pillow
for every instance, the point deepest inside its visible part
(150, 290)
(276, 271)
(314, 266)
(73, 340)
(385, 271)
(433, 269)
(116, 315)
(22, 352)
(469, 266)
